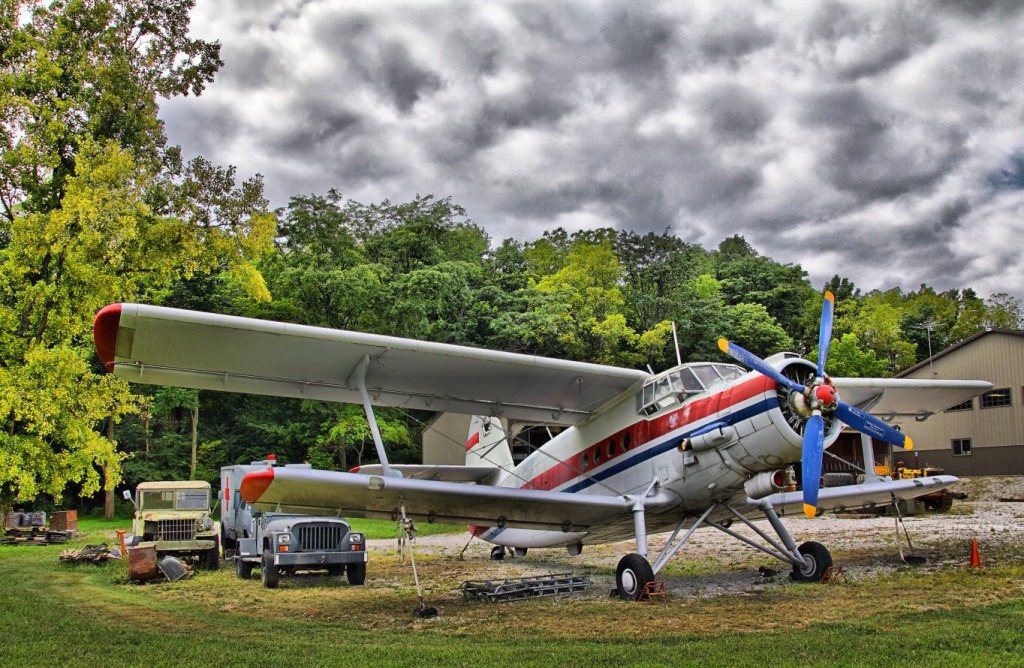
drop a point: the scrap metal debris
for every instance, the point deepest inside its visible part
(94, 553)
(517, 589)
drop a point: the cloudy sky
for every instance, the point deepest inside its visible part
(877, 139)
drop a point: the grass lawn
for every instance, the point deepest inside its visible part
(83, 614)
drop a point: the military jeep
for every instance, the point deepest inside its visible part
(175, 517)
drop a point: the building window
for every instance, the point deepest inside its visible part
(965, 406)
(961, 447)
(993, 398)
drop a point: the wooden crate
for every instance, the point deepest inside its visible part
(64, 520)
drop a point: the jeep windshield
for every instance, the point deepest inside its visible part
(176, 499)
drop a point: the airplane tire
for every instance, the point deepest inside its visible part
(631, 576)
(497, 553)
(817, 560)
(268, 571)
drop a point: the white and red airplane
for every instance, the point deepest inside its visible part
(702, 444)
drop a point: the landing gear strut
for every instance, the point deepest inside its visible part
(810, 561)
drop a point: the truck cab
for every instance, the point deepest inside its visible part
(284, 543)
(175, 517)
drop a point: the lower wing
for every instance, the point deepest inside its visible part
(314, 492)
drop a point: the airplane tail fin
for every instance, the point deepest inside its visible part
(488, 444)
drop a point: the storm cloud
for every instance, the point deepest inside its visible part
(874, 139)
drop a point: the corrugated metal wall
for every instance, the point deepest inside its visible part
(996, 434)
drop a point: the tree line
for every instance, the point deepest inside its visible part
(97, 208)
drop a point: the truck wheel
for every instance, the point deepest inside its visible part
(213, 556)
(227, 541)
(243, 569)
(268, 571)
(356, 573)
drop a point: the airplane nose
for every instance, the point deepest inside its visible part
(826, 394)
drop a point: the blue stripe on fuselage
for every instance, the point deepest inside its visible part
(640, 457)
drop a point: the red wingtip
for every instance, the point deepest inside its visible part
(355, 469)
(255, 484)
(104, 333)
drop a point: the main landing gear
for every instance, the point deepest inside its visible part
(810, 560)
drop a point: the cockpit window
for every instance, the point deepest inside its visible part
(728, 371)
(706, 374)
(668, 389)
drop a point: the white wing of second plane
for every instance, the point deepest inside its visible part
(208, 351)
(906, 397)
(315, 492)
(866, 495)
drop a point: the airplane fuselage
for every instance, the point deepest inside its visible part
(725, 443)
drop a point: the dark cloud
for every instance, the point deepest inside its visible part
(736, 112)
(882, 136)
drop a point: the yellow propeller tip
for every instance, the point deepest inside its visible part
(908, 444)
(829, 296)
(810, 510)
(723, 345)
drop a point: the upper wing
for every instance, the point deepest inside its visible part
(868, 494)
(906, 397)
(164, 346)
(315, 492)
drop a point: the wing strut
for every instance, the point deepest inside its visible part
(358, 378)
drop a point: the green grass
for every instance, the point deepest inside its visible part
(88, 615)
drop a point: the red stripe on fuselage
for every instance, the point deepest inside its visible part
(645, 431)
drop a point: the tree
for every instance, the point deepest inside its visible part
(1005, 311)
(751, 326)
(847, 359)
(96, 210)
(170, 400)
(348, 429)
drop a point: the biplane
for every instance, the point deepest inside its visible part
(703, 444)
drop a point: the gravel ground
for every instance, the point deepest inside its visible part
(713, 564)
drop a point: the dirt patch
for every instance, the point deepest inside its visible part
(714, 564)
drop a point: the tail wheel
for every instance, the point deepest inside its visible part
(497, 553)
(817, 561)
(631, 576)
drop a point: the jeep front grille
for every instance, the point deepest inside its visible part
(177, 530)
(320, 536)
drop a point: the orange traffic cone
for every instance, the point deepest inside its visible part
(975, 557)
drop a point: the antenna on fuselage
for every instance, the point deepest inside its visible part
(675, 339)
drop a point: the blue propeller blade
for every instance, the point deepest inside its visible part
(814, 438)
(757, 364)
(872, 426)
(825, 331)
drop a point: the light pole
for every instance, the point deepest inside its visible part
(928, 326)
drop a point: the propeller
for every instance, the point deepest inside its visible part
(821, 398)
